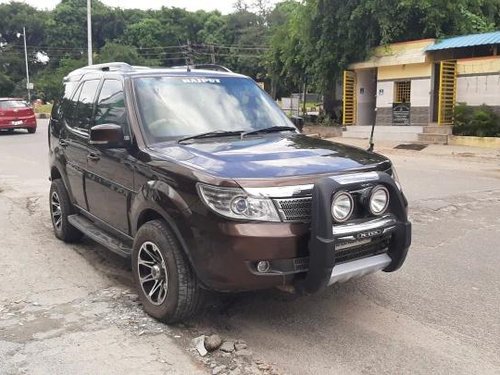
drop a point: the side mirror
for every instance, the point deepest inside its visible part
(107, 136)
(298, 122)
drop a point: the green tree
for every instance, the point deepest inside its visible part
(285, 59)
(119, 52)
(48, 84)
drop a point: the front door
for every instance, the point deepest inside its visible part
(110, 173)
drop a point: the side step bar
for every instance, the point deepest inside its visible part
(98, 235)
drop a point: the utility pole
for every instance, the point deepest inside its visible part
(89, 30)
(212, 53)
(28, 84)
(189, 53)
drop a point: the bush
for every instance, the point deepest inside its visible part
(479, 121)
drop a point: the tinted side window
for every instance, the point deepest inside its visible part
(68, 107)
(111, 105)
(85, 106)
(64, 98)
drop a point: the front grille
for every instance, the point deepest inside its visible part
(344, 253)
(295, 209)
(301, 264)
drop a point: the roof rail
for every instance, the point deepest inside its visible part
(215, 67)
(110, 66)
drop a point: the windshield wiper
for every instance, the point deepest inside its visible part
(271, 129)
(212, 134)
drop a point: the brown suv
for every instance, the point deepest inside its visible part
(200, 178)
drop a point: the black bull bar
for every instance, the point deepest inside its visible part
(323, 239)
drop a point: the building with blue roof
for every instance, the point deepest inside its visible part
(418, 83)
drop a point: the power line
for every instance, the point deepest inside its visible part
(254, 48)
(165, 52)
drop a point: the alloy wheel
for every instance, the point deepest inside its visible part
(55, 205)
(152, 272)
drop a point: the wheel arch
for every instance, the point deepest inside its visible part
(145, 210)
(55, 174)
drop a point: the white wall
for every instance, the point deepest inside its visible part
(387, 98)
(477, 90)
(420, 93)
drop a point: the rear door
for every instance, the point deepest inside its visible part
(74, 138)
(110, 177)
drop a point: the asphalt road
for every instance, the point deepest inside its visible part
(439, 314)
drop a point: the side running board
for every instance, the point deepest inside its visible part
(98, 235)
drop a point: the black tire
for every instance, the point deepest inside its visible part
(183, 295)
(31, 130)
(62, 227)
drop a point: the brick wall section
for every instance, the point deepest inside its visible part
(419, 116)
(384, 116)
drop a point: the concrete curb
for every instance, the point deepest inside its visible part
(484, 142)
(430, 150)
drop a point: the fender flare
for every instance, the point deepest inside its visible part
(162, 199)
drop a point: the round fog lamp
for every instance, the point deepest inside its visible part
(379, 200)
(342, 206)
(263, 266)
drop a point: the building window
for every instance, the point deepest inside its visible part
(402, 90)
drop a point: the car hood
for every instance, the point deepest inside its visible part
(270, 156)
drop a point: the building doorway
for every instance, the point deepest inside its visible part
(366, 80)
(435, 93)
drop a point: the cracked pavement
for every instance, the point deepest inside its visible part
(72, 309)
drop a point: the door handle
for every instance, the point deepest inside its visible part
(93, 157)
(63, 143)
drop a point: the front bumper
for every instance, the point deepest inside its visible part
(327, 263)
(308, 256)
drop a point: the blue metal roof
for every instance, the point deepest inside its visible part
(466, 41)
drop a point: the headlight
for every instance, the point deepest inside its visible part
(379, 200)
(342, 206)
(235, 203)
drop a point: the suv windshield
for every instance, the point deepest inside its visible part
(183, 106)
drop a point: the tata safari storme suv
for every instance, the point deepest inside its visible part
(201, 179)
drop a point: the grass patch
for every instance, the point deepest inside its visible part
(44, 108)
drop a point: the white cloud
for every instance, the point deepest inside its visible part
(225, 6)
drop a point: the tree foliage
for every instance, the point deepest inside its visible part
(284, 45)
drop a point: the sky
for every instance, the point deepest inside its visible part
(225, 6)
